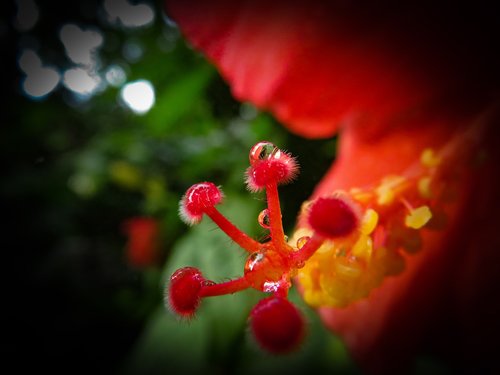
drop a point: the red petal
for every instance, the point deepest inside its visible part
(317, 65)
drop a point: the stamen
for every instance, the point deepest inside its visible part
(418, 217)
(388, 188)
(369, 221)
(424, 187)
(429, 159)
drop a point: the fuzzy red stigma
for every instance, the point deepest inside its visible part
(277, 325)
(197, 200)
(333, 217)
(184, 291)
(269, 165)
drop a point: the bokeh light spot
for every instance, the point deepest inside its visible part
(81, 81)
(127, 14)
(115, 75)
(81, 45)
(139, 96)
(40, 80)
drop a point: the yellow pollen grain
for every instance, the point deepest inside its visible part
(326, 247)
(361, 195)
(313, 298)
(369, 221)
(418, 217)
(347, 269)
(386, 190)
(363, 247)
(424, 187)
(429, 159)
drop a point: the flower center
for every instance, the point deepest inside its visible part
(350, 243)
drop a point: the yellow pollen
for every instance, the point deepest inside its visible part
(429, 159)
(418, 217)
(361, 195)
(369, 221)
(363, 247)
(424, 187)
(347, 268)
(313, 298)
(388, 188)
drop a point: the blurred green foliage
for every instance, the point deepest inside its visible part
(74, 169)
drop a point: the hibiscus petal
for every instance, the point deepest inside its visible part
(317, 65)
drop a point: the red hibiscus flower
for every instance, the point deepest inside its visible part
(413, 90)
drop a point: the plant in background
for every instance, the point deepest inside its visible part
(142, 249)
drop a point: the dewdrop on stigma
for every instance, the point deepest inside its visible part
(335, 254)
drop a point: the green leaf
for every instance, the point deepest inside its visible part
(178, 98)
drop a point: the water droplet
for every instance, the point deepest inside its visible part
(271, 286)
(264, 220)
(253, 260)
(302, 241)
(276, 154)
(261, 151)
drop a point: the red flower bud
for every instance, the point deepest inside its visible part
(277, 325)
